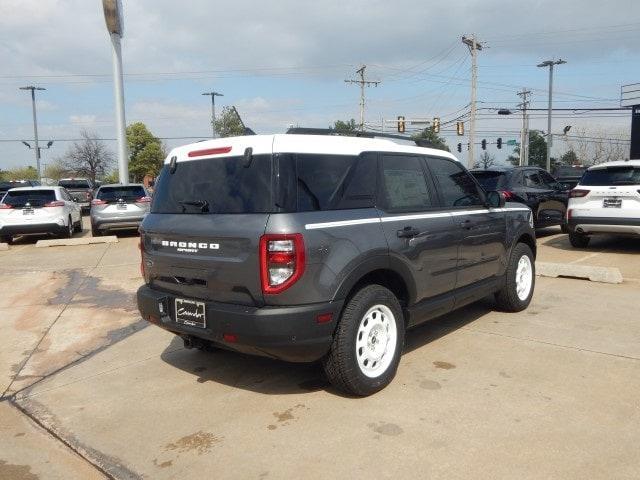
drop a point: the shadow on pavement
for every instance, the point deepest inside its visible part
(610, 243)
(273, 377)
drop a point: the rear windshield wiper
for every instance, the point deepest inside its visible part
(202, 204)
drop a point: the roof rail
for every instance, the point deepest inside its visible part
(420, 142)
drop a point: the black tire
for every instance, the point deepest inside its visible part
(341, 365)
(78, 226)
(565, 228)
(95, 232)
(8, 239)
(70, 229)
(508, 298)
(579, 240)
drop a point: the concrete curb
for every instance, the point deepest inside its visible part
(587, 272)
(68, 242)
(4, 246)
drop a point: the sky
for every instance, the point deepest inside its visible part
(284, 63)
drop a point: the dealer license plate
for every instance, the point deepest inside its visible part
(190, 312)
(612, 203)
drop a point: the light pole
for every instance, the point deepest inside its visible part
(213, 111)
(550, 64)
(115, 27)
(35, 124)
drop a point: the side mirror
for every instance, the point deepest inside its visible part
(495, 199)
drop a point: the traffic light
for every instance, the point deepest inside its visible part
(436, 125)
(401, 124)
(460, 128)
(499, 143)
(483, 144)
(460, 147)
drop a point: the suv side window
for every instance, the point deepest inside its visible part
(532, 179)
(457, 186)
(405, 186)
(331, 182)
(548, 180)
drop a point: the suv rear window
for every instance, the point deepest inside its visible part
(219, 185)
(611, 176)
(36, 198)
(113, 194)
(73, 184)
(490, 180)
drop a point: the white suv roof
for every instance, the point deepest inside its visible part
(297, 143)
(617, 163)
(43, 187)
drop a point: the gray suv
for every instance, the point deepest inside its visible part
(307, 247)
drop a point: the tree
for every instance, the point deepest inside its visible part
(88, 157)
(433, 138)
(228, 123)
(537, 151)
(21, 173)
(345, 127)
(595, 146)
(486, 160)
(111, 177)
(55, 171)
(569, 158)
(146, 152)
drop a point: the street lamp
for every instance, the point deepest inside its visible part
(213, 111)
(35, 123)
(115, 26)
(550, 64)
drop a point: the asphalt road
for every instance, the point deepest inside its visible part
(91, 391)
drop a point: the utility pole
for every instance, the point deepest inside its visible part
(550, 64)
(524, 134)
(363, 83)
(213, 111)
(35, 124)
(474, 46)
(113, 16)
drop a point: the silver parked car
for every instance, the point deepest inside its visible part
(118, 207)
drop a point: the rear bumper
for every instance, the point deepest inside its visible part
(589, 225)
(114, 223)
(286, 333)
(32, 229)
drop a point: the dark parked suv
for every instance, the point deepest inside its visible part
(534, 187)
(323, 247)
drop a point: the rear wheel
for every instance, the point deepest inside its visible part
(70, 229)
(368, 342)
(6, 239)
(78, 225)
(95, 232)
(578, 240)
(565, 228)
(520, 279)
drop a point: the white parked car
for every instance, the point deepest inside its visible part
(607, 200)
(38, 210)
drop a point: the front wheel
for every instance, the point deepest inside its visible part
(8, 239)
(520, 280)
(368, 342)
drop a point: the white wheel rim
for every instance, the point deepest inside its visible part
(524, 277)
(376, 341)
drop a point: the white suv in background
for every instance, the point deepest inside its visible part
(38, 210)
(607, 200)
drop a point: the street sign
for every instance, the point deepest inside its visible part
(630, 95)
(512, 142)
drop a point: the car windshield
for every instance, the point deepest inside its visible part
(623, 175)
(73, 184)
(35, 198)
(220, 185)
(490, 180)
(569, 171)
(113, 194)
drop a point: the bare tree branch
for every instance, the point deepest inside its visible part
(89, 157)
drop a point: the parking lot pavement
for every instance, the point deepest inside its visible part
(548, 392)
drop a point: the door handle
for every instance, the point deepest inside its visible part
(408, 232)
(466, 223)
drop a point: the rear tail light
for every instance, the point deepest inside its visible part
(282, 261)
(143, 200)
(98, 202)
(55, 203)
(569, 214)
(5, 206)
(578, 193)
(508, 195)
